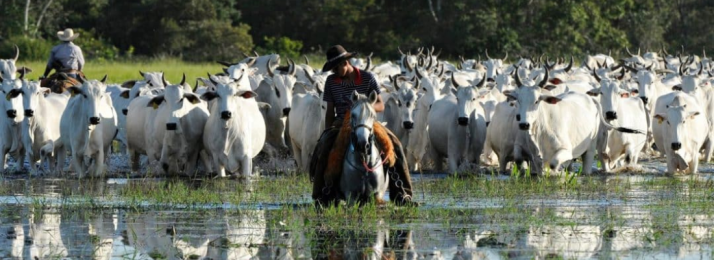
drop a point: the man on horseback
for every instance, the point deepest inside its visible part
(67, 60)
(338, 91)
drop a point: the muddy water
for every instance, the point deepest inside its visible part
(646, 217)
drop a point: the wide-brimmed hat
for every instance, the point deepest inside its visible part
(67, 35)
(335, 55)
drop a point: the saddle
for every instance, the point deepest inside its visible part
(60, 82)
(335, 160)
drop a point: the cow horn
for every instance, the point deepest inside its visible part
(487, 57)
(183, 79)
(664, 50)
(570, 65)
(270, 72)
(547, 63)
(22, 73)
(17, 53)
(681, 69)
(438, 53)
(453, 80)
(405, 61)
(609, 52)
(224, 63)
(418, 73)
(588, 66)
(701, 68)
(441, 74)
(420, 62)
(482, 82)
(104, 79)
(506, 57)
(291, 67)
(704, 52)
(307, 61)
(239, 78)
(628, 51)
(649, 67)
(518, 80)
(545, 79)
(596, 76)
(141, 73)
(429, 66)
(421, 51)
(462, 59)
(163, 79)
(312, 80)
(400, 51)
(458, 66)
(251, 62)
(215, 83)
(638, 51)
(369, 62)
(256, 54)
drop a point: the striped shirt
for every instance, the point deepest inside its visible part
(339, 92)
(68, 54)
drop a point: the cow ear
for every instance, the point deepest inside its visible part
(510, 96)
(625, 94)
(74, 90)
(677, 88)
(264, 106)
(555, 81)
(248, 94)
(125, 93)
(156, 101)
(550, 99)
(550, 87)
(45, 91)
(193, 98)
(593, 92)
(209, 95)
(693, 114)
(660, 118)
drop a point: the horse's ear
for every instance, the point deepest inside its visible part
(355, 96)
(373, 97)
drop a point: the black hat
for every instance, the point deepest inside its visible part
(335, 55)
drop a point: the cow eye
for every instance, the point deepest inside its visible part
(424, 89)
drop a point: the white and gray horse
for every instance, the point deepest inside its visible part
(363, 176)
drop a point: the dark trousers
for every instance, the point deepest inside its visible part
(326, 192)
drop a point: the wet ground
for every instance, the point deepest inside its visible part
(642, 215)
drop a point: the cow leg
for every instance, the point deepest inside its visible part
(3, 157)
(33, 162)
(99, 163)
(297, 155)
(220, 169)
(61, 155)
(560, 157)
(708, 149)
(588, 158)
(247, 166)
(207, 162)
(190, 169)
(77, 164)
(694, 164)
(133, 160)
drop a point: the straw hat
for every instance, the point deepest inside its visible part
(67, 35)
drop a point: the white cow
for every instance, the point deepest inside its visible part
(679, 130)
(11, 124)
(43, 110)
(458, 127)
(178, 128)
(627, 111)
(563, 127)
(695, 85)
(7, 66)
(431, 87)
(87, 128)
(139, 116)
(307, 121)
(235, 131)
(401, 105)
(276, 90)
(508, 142)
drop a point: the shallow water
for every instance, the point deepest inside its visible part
(628, 216)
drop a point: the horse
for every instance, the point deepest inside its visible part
(363, 175)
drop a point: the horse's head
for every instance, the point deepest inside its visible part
(362, 118)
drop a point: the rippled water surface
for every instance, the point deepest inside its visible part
(625, 216)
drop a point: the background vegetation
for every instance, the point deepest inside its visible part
(209, 30)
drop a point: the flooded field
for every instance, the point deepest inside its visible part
(625, 216)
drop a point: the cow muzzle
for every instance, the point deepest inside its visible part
(644, 99)
(226, 115)
(463, 121)
(125, 111)
(94, 120)
(286, 111)
(676, 146)
(12, 113)
(610, 115)
(171, 126)
(29, 112)
(524, 126)
(408, 125)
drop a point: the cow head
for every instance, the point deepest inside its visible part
(467, 99)
(529, 98)
(277, 89)
(406, 97)
(230, 93)
(91, 96)
(32, 93)
(610, 93)
(155, 79)
(493, 66)
(646, 88)
(691, 81)
(674, 120)
(7, 66)
(13, 106)
(179, 102)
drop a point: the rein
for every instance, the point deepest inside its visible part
(364, 157)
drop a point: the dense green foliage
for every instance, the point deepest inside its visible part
(205, 30)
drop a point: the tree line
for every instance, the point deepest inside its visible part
(209, 30)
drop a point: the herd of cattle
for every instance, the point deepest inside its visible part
(533, 113)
